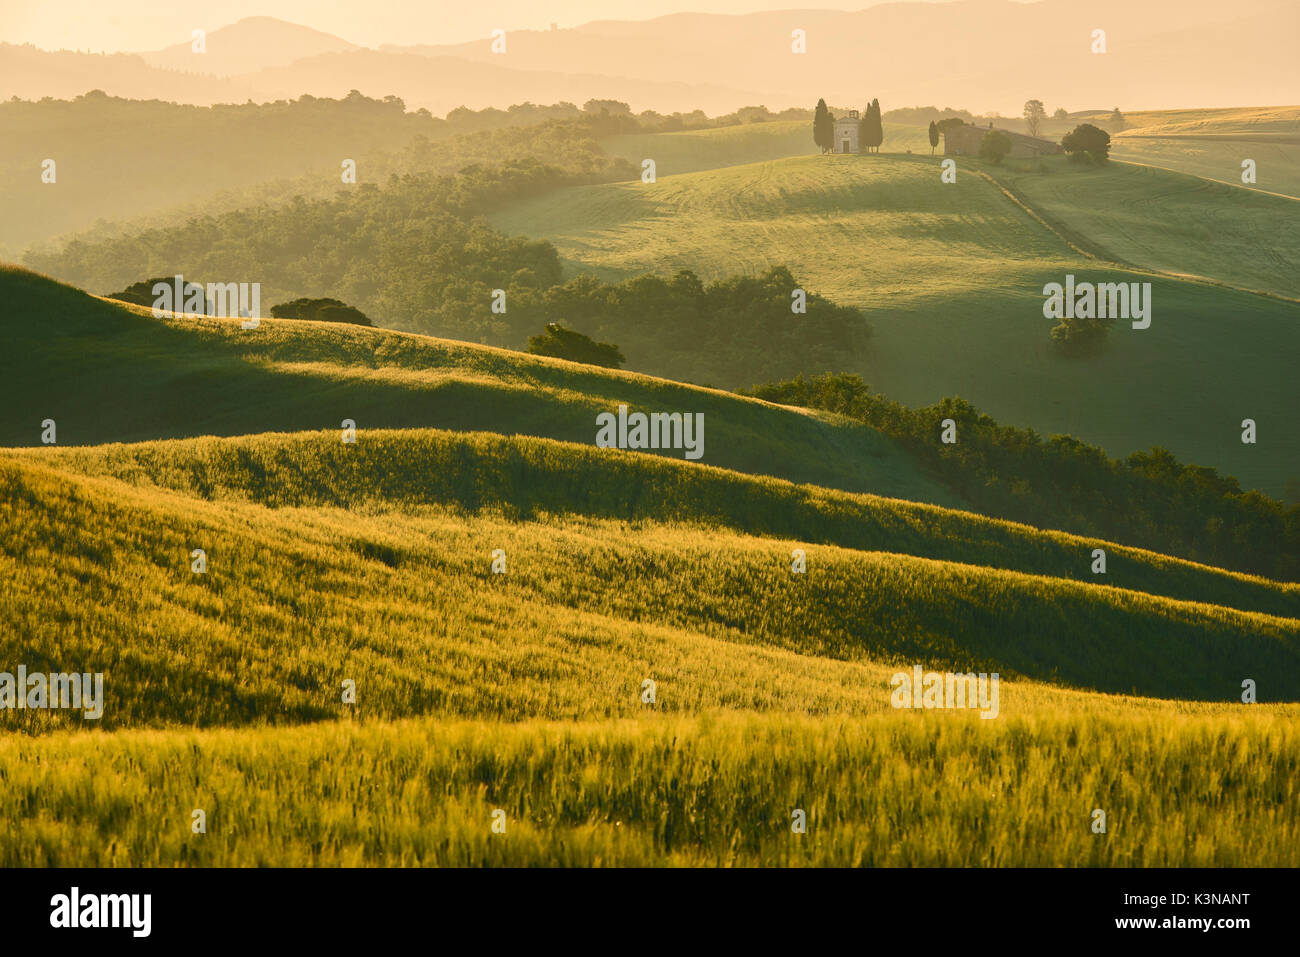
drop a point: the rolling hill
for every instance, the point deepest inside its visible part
(950, 278)
(129, 377)
(1176, 224)
(695, 150)
(1241, 121)
(378, 571)
(246, 46)
(1212, 144)
(524, 691)
(318, 569)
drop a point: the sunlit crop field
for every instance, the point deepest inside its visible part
(906, 788)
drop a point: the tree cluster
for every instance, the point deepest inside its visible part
(871, 132)
(320, 310)
(561, 343)
(679, 326)
(1148, 499)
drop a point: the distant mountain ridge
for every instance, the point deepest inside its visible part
(246, 46)
(438, 84)
(981, 54)
(913, 53)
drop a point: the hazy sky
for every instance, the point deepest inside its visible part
(134, 25)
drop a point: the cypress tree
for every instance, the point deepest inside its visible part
(877, 130)
(823, 127)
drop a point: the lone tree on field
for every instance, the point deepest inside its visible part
(561, 343)
(1035, 113)
(1061, 114)
(823, 127)
(1117, 119)
(1086, 142)
(994, 146)
(1077, 337)
(934, 137)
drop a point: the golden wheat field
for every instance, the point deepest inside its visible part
(718, 788)
(501, 718)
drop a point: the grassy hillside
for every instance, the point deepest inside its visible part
(1212, 144)
(1277, 160)
(108, 372)
(522, 691)
(419, 257)
(864, 226)
(1269, 127)
(530, 478)
(1232, 119)
(103, 371)
(689, 151)
(951, 277)
(321, 568)
(1170, 222)
(695, 150)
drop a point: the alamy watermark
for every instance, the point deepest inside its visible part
(1105, 300)
(656, 430)
(222, 299)
(129, 911)
(40, 690)
(930, 689)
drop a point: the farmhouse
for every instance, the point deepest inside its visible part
(965, 140)
(846, 133)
